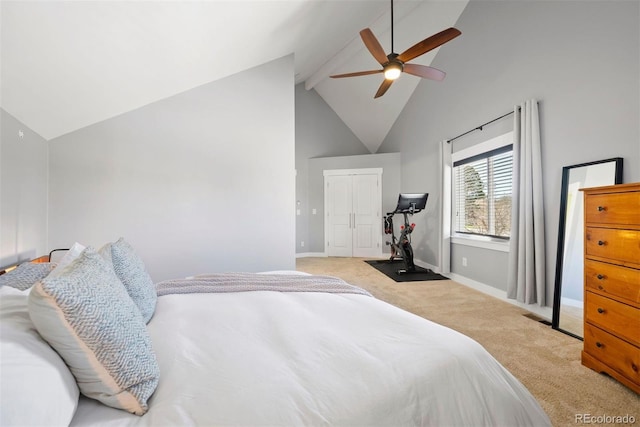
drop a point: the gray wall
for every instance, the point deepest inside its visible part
(319, 133)
(579, 59)
(389, 162)
(203, 181)
(23, 192)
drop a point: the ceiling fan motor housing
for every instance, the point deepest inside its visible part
(393, 68)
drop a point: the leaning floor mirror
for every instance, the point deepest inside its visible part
(569, 292)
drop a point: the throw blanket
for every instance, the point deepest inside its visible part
(245, 282)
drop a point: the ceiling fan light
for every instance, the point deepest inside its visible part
(392, 71)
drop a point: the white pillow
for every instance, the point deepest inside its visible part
(35, 384)
(67, 259)
(86, 314)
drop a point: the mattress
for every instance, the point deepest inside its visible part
(315, 358)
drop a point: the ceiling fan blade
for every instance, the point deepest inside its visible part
(428, 44)
(358, 73)
(386, 84)
(372, 43)
(424, 72)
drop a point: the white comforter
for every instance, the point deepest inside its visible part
(298, 358)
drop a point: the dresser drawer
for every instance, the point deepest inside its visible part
(613, 352)
(617, 245)
(615, 208)
(613, 280)
(620, 319)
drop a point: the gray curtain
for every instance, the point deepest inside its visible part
(445, 213)
(526, 276)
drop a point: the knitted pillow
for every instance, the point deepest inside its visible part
(86, 315)
(26, 275)
(131, 271)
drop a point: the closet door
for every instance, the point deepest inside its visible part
(366, 215)
(339, 215)
(353, 219)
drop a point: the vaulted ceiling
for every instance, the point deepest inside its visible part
(68, 64)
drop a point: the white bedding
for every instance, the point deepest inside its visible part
(298, 358)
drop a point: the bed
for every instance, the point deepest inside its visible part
(278, 348)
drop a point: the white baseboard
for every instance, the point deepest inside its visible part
(544, 312)
(324, 254)
(571, 302)
(311, 254)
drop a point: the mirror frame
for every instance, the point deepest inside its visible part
(555, 322)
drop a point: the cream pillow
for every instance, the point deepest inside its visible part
(73, 253)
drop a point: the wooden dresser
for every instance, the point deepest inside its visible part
(612, 282)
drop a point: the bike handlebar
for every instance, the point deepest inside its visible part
(405, 211)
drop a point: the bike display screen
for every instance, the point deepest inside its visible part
(411, 202)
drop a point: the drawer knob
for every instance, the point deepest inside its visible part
(600, 310)
(600, 276)
(601, 242)
(634, 367)
(599, 344)
(601, 208)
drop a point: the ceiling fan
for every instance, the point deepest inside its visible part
(393, 64)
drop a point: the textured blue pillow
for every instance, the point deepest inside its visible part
(26, 275)
(131, 271)
(86, 315)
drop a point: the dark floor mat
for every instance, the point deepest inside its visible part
(390, 268)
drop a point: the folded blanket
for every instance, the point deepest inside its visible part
(245, 282)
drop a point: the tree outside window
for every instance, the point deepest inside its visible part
(483, 194)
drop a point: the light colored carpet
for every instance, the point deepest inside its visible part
(547, 362)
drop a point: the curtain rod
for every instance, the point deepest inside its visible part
(483, 125)
(479, 127)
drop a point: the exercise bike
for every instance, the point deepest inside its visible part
(408, 204)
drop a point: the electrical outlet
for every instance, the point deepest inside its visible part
(313, 211)
(464, 261)
(302, 244)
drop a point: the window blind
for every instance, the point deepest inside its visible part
(482, 193)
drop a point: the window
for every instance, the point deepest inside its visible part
(482, 178)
